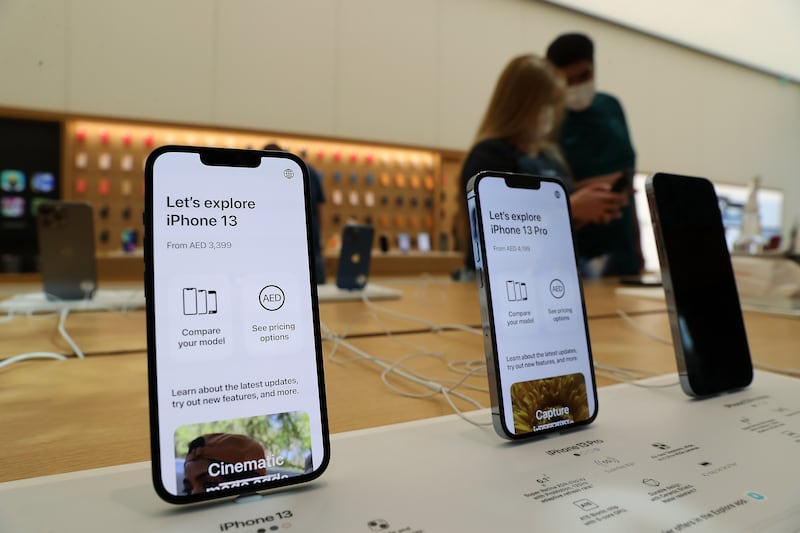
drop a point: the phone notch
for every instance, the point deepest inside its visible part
(218, 157)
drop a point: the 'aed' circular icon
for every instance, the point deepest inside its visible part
(557, 288)
(271, 298)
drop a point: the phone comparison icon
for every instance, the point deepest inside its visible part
(199, 301)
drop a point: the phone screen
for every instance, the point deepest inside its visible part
(708, 327)
(540, 359)
(236, 390)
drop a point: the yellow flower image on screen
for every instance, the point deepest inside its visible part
(546, 403)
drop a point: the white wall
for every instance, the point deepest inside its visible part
(761, 34)
(415, 72)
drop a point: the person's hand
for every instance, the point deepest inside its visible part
(608, 179)
(596, 204)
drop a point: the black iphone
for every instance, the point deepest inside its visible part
(538, 355)
(705, 315)
(355, 256)
(237, 402)
(66, 250)
(624, 183)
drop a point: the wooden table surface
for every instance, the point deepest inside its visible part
(61, 416)
(426, 302)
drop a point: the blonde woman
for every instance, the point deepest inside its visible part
(515, 135)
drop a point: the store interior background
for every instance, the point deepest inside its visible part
(417, 72)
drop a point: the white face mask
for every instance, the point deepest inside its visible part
(580, 97)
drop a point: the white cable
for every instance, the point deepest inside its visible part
(769, 368)
(475, 367)
(430, 325)
(452, 384)
(63, 313)
(472, 367)
(395, 366)
(398, 365)
(421, 350)
(427, 323)
(63, 331)
(434, 387)
(622, 314)
(33, 355)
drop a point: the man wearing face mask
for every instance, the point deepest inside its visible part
(515, 136)
(595, 142)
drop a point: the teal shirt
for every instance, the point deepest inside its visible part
(595, 142)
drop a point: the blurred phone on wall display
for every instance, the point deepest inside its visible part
(383, 243)
(66, 250)
(424, 242)
(404, 242)
(355, 256)
(705, 315)
(237, 402)
(539, 360)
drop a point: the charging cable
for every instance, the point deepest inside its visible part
(760, 366)
(396, 368)
(62, 330)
